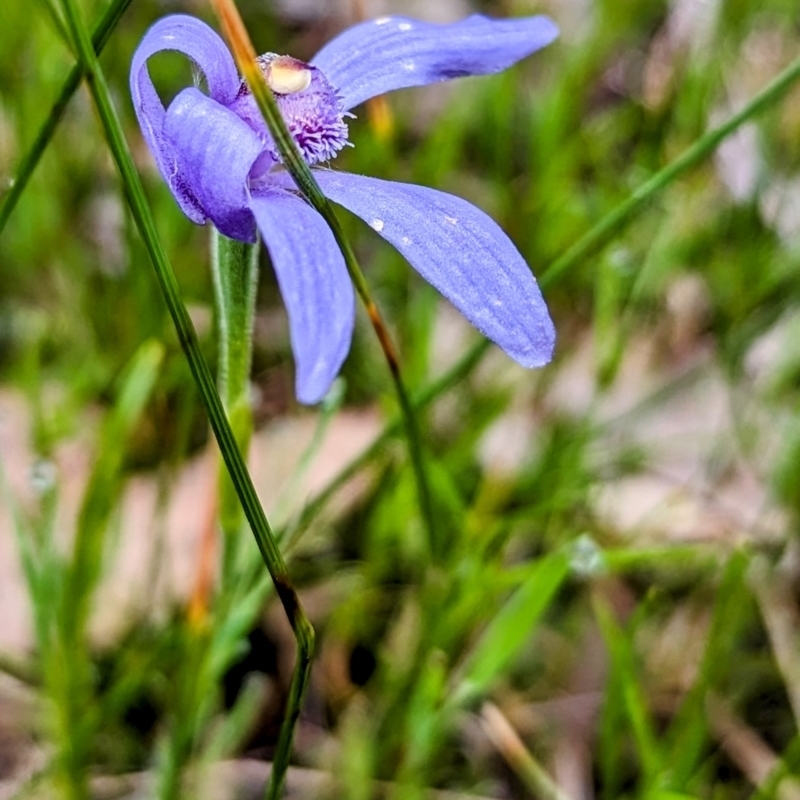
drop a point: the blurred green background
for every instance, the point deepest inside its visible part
(617, 611)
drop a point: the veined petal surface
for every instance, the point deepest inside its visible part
(214, 152)
(459, 250)
(389, 53)
(204, 47)
(315, 286)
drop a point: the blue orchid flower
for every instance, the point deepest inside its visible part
(221, 164)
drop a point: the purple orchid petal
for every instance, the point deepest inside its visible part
(196, 40)
(396, 52)
(214, 152)
(460, 251)
(315, 286)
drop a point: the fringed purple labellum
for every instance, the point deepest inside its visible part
(314, 113)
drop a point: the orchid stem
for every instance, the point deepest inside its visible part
(237, 469)
(234, 268)
(245, 56)
(100, 35)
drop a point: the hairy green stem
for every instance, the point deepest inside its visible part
(100, 35)
(188, 338)
(234, 268)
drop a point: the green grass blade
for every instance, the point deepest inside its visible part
(103, 489)
(633, 698)
(67, 665)
(689, 731)
(511, 627)
(691, 157)
(52, 11)
(100, 36)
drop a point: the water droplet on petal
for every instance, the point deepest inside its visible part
(404, 26)
(383, 20)
(377, 224)
(451, 220)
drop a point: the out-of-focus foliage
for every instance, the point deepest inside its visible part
(616, 611)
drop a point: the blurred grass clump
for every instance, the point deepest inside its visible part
(615, 613)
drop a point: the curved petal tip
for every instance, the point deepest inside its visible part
(460, 251)
(315, 286)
